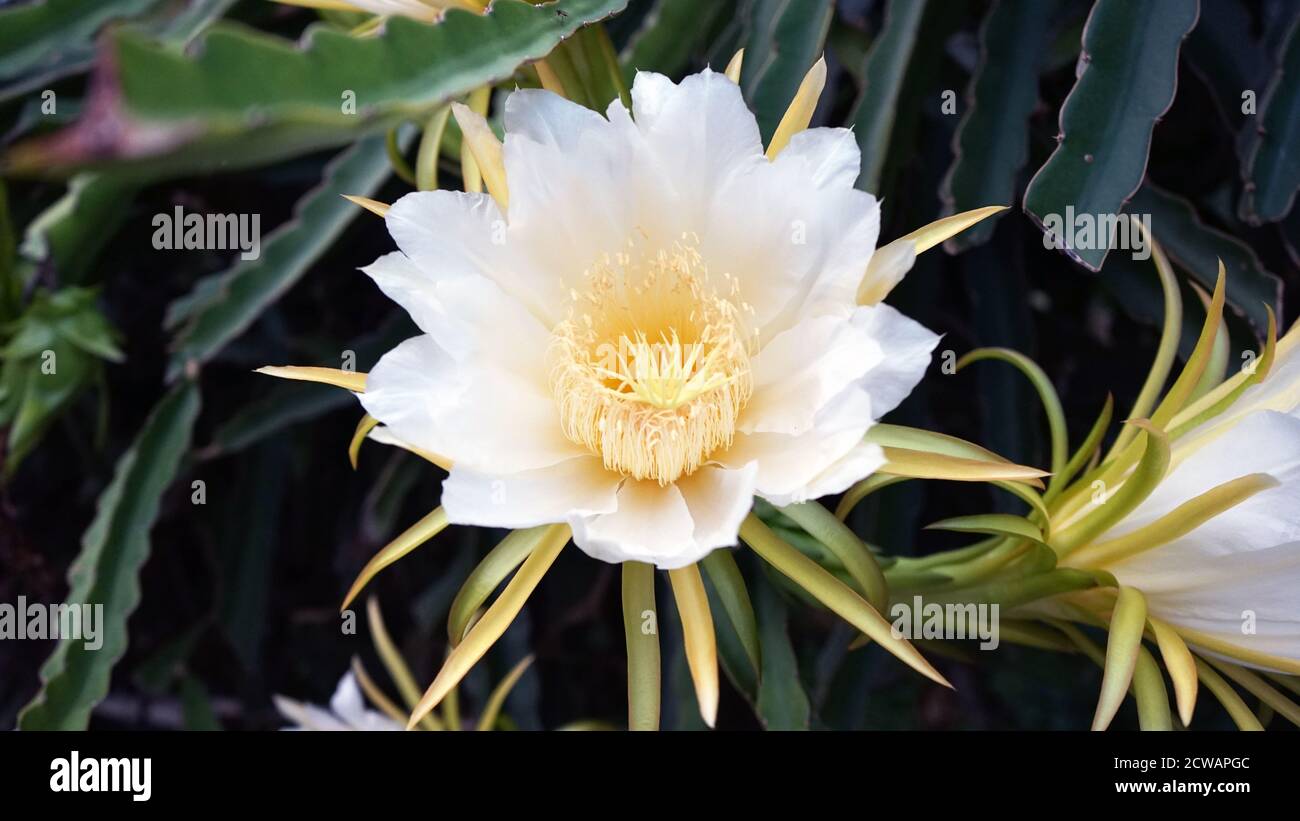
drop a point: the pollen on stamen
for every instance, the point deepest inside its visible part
(654, 373)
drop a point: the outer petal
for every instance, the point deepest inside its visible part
(828, 157)
(465, 314)
(575, 183)
(482, 416)
(576, 487)
(719, 499)
(670, 526)
(652, 524)
(452, 234)
(826, 459)
(803, 368)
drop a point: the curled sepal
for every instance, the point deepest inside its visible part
(1178, 522)
(799, 113)
(1197, 362)
(1150, 694)
(698, 635)
(891, 262)
(364, 427)
(928, 236)
(1046, 394)
(1221, 398)
(1170, 335)
(497, 698)
(993, 524)
(833, 593)
(487, 576)
(918, 464)
(1237, 709)
(856, 557)
(641, 631)
(350, 380)
(1113, 507)
(494, 622)
(862, 490)
(414, 536)
(1090, 443)
(379, 209)
(734, 66)
(1262, 690)
(729, 584)
(486, 150)
(394, 663)
(1181, 665)
(1127, 624)
(374, 694)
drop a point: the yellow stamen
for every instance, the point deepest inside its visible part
(651, 368)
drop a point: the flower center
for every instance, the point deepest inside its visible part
(651, 369)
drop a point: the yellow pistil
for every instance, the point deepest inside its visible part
(651, 368)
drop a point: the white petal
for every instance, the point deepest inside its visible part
(828, 157)
(576, 487)
(907, 346)
(800, 370)
(453, 234)
(719, 499)
(700, 131)
(670, 526)
(576, 187)
(308, 716)
(652, 524)
(465, 314)
(480, 415)
(793, 469)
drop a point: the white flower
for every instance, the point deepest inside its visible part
(347, 711)
(661, 324)
(1231, 585)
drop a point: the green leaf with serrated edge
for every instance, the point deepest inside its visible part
(1197, 248)
(113, 549)
(1271, 166)
(69, 234)
(785, 40)
(247, 98)
(873, 115)
(782, 702)
(671, 34)
(992, 140)
(38, 36)
(1130, 55)
(222, 306)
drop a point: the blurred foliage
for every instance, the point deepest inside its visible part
(115, 111)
